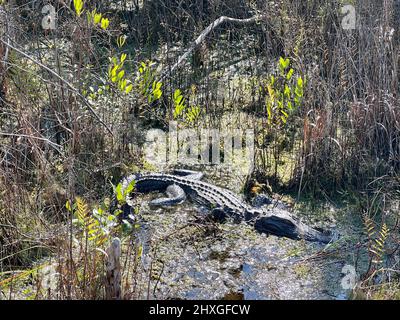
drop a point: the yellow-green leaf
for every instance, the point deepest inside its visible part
(122, 84)
(104, 23)
(68, 206)
(78, 4)
(121, 74)
(119, 194)
(269, 110)
(128, 88)
(287, 91)
(121, 41)
(271, 93)
(97, 18)
(300, 82)
(130, 187)
(289, 74)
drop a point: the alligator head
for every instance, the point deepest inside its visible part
(280, 223)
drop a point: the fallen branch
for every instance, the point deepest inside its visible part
(204, 34)
(54, 145)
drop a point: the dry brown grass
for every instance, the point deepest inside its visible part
(345, 136)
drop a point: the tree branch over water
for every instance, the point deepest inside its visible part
(203, 36)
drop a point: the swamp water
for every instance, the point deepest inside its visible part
(187, 259)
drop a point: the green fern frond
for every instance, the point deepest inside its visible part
(82, 211)
(90, 225)
(376, 239)
(370, 227)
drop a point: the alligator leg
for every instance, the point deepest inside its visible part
(176, 195)
(220, 214)
(193, 175)
(261, 200)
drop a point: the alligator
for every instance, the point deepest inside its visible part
(223, 204)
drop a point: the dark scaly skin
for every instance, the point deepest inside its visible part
(223, 203)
